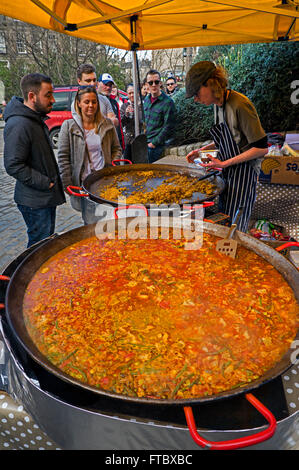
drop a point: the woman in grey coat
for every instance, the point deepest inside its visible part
(87, 143)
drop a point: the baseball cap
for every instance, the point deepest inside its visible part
(106, 78)
(197, 76)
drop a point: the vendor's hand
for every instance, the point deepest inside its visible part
(151, 146)
(213, 164)
(192, 155)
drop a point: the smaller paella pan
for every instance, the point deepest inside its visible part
(150, 184)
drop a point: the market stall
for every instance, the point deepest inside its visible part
(89, 421)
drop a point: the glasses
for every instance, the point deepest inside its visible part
(169, 84)
(151, 82)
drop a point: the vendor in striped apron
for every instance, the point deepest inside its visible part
(237, 134)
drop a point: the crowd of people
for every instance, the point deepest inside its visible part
(102, 129)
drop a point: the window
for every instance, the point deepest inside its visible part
(61, 101)
(2, 43)
(21, 46)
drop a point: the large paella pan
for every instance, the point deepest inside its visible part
(36, 264)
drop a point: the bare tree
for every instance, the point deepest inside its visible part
(168, 60)
(31, 49)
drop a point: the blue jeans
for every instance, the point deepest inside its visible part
(40, 222)
(154, 154)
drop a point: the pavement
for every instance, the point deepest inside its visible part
(13, 233)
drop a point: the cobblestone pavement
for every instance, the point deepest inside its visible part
(13, 236)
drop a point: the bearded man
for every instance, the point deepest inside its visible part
(29, 157)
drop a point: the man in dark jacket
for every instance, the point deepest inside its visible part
(29, 158)
(159, 111)
(171, 86)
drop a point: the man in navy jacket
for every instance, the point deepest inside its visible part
(29, 157)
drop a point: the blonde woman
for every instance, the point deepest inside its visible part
(88, 142)
(237, 134)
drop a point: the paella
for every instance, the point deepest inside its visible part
(148, 318)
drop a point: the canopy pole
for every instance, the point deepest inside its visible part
(136, 93)
(134, 47)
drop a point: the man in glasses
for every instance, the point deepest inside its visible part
(171, 86)
(159, 111)
(86, 76)
(105, 85)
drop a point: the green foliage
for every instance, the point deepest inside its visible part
(265, 73)
(114, 68)
(193, 120)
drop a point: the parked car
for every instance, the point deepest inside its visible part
(61, 110)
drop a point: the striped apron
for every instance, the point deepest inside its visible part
(240, 179)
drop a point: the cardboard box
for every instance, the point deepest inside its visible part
(280, 170)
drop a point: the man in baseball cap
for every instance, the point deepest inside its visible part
(106, 78)
(197, 76)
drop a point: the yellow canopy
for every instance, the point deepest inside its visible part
(162, 24)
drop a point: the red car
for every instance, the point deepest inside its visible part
(61, 110)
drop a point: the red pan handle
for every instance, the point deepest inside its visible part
(3, 278)
(234, 443)
(78, 192)
(207, 203)
(198, 206)
(286, 245)
(129, 207)
(121, 160)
